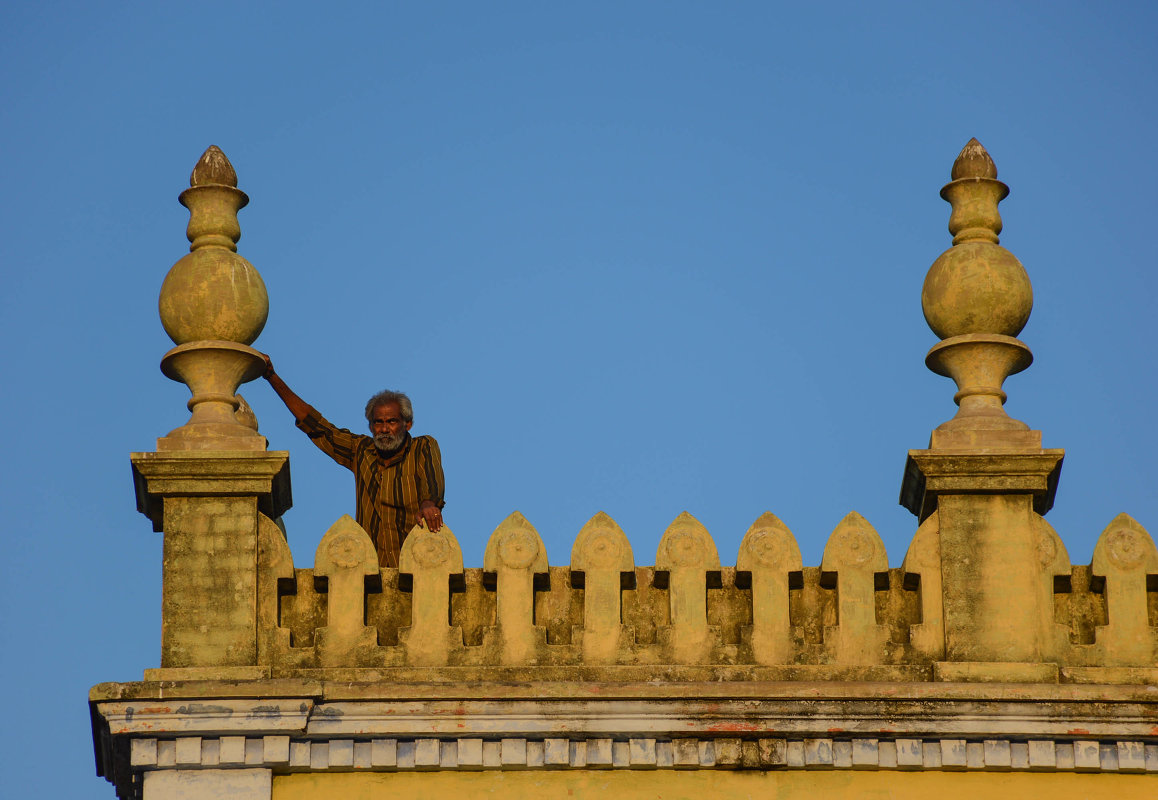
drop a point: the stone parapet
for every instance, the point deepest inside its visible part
(853, 617)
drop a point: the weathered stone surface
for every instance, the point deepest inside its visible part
(515, 554)
(208, 784)
(686, 553)
(923, 562)
(213, 304)
(602, 556)
(1124, 559)
(855, 554)
(768, 554)
(431, 558)
(345, 559)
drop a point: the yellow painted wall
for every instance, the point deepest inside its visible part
(703, 784)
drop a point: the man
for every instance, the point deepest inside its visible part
(398, 478)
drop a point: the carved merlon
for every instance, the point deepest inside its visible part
(1125, 565)
(855, 554)
(686, 554)
(515, 555)
(430, 558)
(768, 556)
(600, 560)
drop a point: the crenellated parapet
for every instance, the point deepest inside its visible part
(757, 615)
(985, 651)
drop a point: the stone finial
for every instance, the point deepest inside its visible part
(213, 305)
(974, 161)
(977, 297)
(214, 168)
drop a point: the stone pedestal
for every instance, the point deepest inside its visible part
(986, 503)
(208, 504)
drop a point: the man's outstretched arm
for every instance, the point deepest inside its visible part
(298, 407)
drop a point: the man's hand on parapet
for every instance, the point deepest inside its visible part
(431, 515)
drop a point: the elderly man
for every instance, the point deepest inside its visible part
(397, 477)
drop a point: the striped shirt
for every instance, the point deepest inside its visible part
(389, 488)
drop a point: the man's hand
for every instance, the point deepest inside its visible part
(268, 366)
(431, 514)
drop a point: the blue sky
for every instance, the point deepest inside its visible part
(639, 258)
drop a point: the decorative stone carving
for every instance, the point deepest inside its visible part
(977, 297)
(686, 552)
(603, 555)
(1053, 561)
(856, 554)
(345, 559)
(430, 558)
(1124, 557)
(768, 553)
(515, 554)
(275, 564)
(923, 560)
(213, 304)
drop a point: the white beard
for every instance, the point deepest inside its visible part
(387, 443)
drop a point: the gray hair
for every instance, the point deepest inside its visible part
(382, 398)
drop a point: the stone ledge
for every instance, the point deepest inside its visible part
(283, 754)
(665, 712)
(994, 672)
(209, 715)
(207, 673)
(929, 473)
(479, 687)
(208, 473)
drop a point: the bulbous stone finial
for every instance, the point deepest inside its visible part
(213, 304)
(977, 297)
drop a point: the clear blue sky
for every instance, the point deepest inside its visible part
(631, 257)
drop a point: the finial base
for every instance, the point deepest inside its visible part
(979, 363)
(213, 370)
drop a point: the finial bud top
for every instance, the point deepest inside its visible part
(214, 168)
(973, 161)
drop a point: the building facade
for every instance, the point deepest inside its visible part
(987, 664)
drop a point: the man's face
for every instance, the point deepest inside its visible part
(387, 426)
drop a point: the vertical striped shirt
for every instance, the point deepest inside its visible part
(390, 487)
